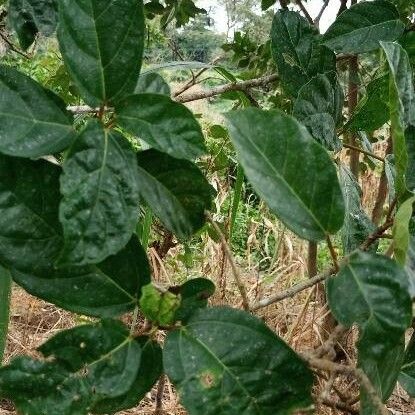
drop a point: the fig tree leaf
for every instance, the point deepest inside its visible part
(85, 366)
(159, 307)
(152, 83)
(402, 105)
(102, 43)
(30, 233)
(108, 289)
(194, 294)
(228, 361)
(372, 111)
(176, 190)
(361, 27)
(407, 375)
(33, 120)
(303, 192)
(28, 17)
(400, 231)
(319, 107)
(297, 51)
(357, 224)
(162, 123)
(100, 201)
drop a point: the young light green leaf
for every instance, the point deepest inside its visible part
(33, 120)
(176, 191)
(158, 307)
(30, 233)
(407, 375)
(108, 289)
(360, 28)
(86, 365)
(100, 195)
(152, 83)
(319, 107)
(28, 17)
(400, 230)
(402, 105)
(357, 224)
(372, 112)
(102, 42)
(297, 51)
(303, 192)
(162, 123)
(227, 361)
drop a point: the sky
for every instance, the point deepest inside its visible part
(313, 7)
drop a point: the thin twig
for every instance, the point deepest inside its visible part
(333, 253)
(305, 11)
(228, 252)
(320, 14)
(327, 365)
(159, 395)
(339, 405)
(367, 153)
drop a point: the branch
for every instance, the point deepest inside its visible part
(305, 12)
(317, 19)
(365, 383)
(367, 153)
(234, 86)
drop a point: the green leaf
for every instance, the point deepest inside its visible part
(410, 149)
(5, 297)
(360, 28)
(407, 375)
(99, 209)
(85, 366)
(370, 288)
(297, 51)
(108, 289)
(402, 105)
(228, 361)
(162, 123)
(102, 42)
(33, 120)
(390, 172)
(372, 111)
(152, 83)
(303, 192)
(159, 307)
(30, 233)
(408, 43)
(194, 294)
(150, 370)
(28, 17)
(176, 191)
(357, 224)
(410, 258)
(400, 230)
(319, 107)
(372, 291)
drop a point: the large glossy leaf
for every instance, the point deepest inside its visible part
(86, 365)
(402, 105)
(33, 121)
(102, 44)
(400, 231)
(176, 191)
(357, 224)
(319, 107)
(297, 51)
(162, 123)
(227, 361)
(108, 289)
(100, 195)
(30, 233)
(361, 27)
(303, 191)
(372, 291)
(372, 111)
(28, 17)
(152, 83)
(407, 375)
